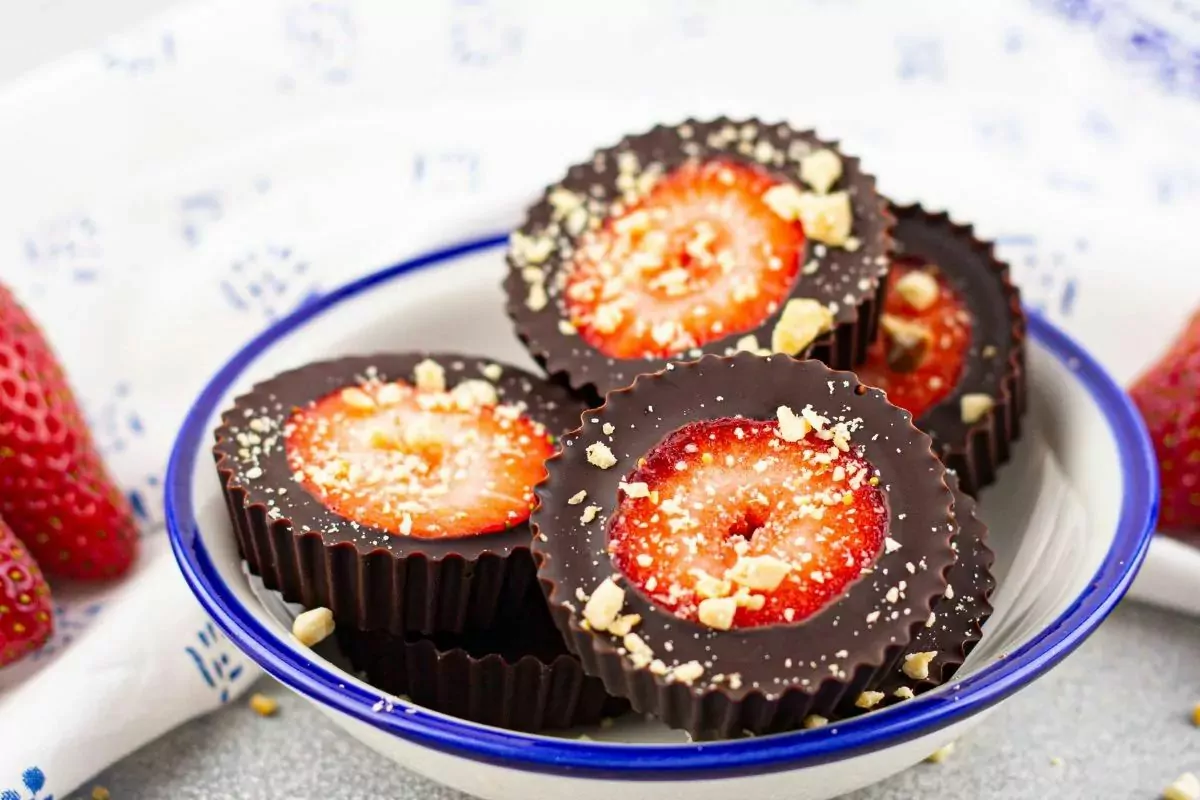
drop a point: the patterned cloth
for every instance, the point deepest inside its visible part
(166, 194)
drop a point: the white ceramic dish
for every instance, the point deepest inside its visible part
(1071, 519)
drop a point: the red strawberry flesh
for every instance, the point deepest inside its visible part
(419, 463)
(1168, 396)
(725, 489)
(699, 258)
(932, 379)
(26, 621)
(55, 492)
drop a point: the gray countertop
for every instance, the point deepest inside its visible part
(1117, 713)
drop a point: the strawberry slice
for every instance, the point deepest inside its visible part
(25, 607)
(54, 489)
(416, 462)
(1168, 395)
(921, 351)
(732, 509)
(699, 258)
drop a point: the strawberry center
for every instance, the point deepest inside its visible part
(701, 256)
(920, 366)
(414, 462)
(732, 511)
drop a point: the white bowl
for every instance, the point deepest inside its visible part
(1070, 521)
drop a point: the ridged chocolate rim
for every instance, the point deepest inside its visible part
(856, 294)
(517, 676)
(959, 617)
(833, 654)
(369, 578)
(973, 450)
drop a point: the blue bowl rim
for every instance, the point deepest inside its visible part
(617, 761)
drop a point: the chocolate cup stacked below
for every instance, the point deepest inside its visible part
(517, 675)
(850, 282)
(959, 615)
(786, 671)
(995, 362)
(370, 578)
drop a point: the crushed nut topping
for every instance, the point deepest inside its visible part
(802, 321)
(975, 406)
(313, 626)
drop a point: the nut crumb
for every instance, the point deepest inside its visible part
(262, 705)
(635, 489)
(869, 699)
(814, 721)
(802, 321)
(717, 612)
(763, 573)
(312, 626)
(1185, 787)
(749, 344)
(492, 371)
(1196, 715)
(792, 428)
(905, 343)
(904, 693)
(589, 514)
(430, 376)
(918, 288)
(599, 455)
(100, 793)
(577, 498)
(1055, 761)
(916, 665)
(941, 754)
(821, 170)
(604, 606)
(357, 398)
(827, 218)
(624, 624)
(974, 406)
(687, 673)
(644, 560)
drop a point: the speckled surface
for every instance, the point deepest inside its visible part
(1117, 712)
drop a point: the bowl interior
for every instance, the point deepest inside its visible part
(1069, 520)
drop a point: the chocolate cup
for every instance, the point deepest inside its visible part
(518, 675)
(370, 579)
(786, 671)
(973, 450)
(851, 282)
(957, 620)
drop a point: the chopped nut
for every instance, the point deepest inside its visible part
(492, 371)
(1185, 787)
(607, 428)
(749, 344)
(827, 218)
(717, 612)
(100, 793)
(869, 699)
(707, 586)
(814, 721)
(589, 514)
(530, 249)
(577, 498)
(904, 693)
(262, 705)
(312, 626)
(474, 394)
(566, 328)
(388, 395)
(821, 170)
(906, 343)
(635, 489)
(357, 398)
(941, 754)
(430, 376)
(644, 560)
(537, 299)
(600, 456)
(687, 673)
(802, 321)
(916, 665)
(564, 201)
(604, 606)
(1055, 761)
(918, 288)
(974, 406)
(624, 624)
(1196, 715)
(890, 545)
(763, 573)
(792, 428)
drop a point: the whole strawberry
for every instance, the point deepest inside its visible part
(54, 490)
(1168, 396)
(25, 609)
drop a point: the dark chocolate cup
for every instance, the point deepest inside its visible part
(995, 364)
(959, 616)
(787, 671)
(518, 675)
(850, 282)
(369, 578)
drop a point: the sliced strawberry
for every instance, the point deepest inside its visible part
(25, 608)
(920, 353)
(1168, 396)
(54, 489)
(701, 257)
(728, 494)
(414, 462)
